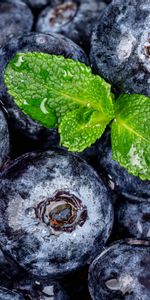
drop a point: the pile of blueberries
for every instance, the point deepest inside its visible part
(72, 225)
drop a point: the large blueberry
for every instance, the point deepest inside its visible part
(4, 139)
(74, 19)
(15, 19)
(121, 45)
(55, 213)
(121, 272)
(52, 44)
(117, 177)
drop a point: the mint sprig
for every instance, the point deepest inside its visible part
(47, 87)
(130, 134)
(63, 93)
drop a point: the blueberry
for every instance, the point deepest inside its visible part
(133, 217)
(74, 19)
(4, 139)
(120, 49)
(55, 213)
(117, 177)
(52, 44)
(6, 294)
(121, 272)
(15, 18)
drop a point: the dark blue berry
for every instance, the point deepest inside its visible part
(121, 272)
(120, 49)
(15, 19)
(55, 213)
(74, 19)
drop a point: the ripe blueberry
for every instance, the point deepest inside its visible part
(55, 213)
(74, 19)
(121, 272)
(120, 49)
(15, 19)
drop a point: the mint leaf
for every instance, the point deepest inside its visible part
(78, 131)
(130, 134)
(48, 87)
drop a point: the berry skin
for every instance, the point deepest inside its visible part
(121, 272)
(118, 179)
(4, 139)
(74, 19)
(15, 19)
(55, 213)
(120, 49)
(9, 271)
(52, 44)
(133, 217)
(9, 295)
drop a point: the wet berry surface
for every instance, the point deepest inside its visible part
(73, 226)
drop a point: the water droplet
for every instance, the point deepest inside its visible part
(139, 227)
(19, 62)
(124, 283)
(42, 106)
(148, 234)
(111, 184)
(30, 212)
(49, 290)
(113, 284)
(25, 102)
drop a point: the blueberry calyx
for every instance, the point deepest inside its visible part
(62, 212)
(62, 14)
(147, 48)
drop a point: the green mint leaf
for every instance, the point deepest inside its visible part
(130, 134)
(80, 128)
(48, 87)
(26, 82)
